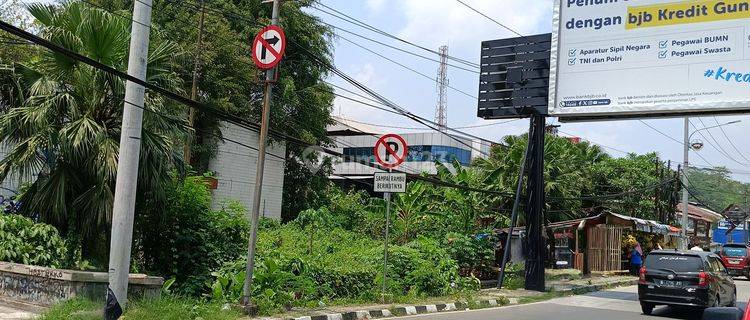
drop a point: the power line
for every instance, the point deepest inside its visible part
(718, 146)
(416, 128)
(361, 24)
(393, 47)
(405, 66)
(491, 19)
(675, 140)
(730, 140)
(598, 144)
(360, 86)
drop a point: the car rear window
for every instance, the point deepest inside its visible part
(735, 251)
(674, 262)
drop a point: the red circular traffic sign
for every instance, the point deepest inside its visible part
(390, 150)
(268, 47)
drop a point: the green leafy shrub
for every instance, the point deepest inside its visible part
(184, 239)
(342, 265)
(514, 277)
(23, 241)
(475, 255)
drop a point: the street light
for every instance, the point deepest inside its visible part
(685, 194)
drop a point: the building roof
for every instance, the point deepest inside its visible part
(697, 212)
(345, 127)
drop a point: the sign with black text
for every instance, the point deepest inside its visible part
(630, 59)
(389, 182)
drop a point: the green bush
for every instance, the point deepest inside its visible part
(342, 265)
(23, 241)
(184, 239)
(474, 255)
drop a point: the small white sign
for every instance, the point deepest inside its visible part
(389, 182)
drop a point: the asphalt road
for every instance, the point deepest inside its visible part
(617, 304)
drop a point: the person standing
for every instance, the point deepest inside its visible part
(636, 259)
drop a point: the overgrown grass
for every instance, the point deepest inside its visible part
(166, 308)
(74, 309)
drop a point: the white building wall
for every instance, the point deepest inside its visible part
(235, 167)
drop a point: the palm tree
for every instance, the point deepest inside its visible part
(63, 120)
(567, 171)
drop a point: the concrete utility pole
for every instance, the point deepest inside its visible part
(194, 89)
(685, 195)
(130, 148)
(685, 181)
(262, 141)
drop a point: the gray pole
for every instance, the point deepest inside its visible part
(130, 147)
(387, 197)
(685, 196)
(263, 139)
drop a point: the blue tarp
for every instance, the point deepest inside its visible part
(738, 235)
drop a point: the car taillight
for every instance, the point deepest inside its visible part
(703, 279)
(642, 276)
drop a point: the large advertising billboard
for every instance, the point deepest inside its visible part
(640, 58)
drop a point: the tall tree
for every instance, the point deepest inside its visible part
(63, 120)
(716, 188)
(567, 171)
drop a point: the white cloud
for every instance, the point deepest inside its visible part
(367, 75)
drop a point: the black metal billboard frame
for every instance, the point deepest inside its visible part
(514, 83)
(514, 77)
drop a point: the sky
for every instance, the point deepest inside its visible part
(433, 23)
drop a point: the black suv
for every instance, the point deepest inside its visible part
(684, 278)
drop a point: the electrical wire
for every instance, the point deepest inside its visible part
(406, 67)
(717, 145)
(730, 140)
(491, 19)
(335, 70)
(239, 121)
(345, 17)
(675, 140)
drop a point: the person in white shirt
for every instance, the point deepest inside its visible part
(696, 248)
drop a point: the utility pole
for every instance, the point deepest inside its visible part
(263, 139)
(685, 195)
(130, 147)
(194, 89)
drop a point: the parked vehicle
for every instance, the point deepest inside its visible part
(684, 278)
(736, 259)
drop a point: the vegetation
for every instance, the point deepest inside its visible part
(229, 80)
(185, 239)
(167, 308)
(716, 189)
(342, 265)
(63, 122)
(23, 241)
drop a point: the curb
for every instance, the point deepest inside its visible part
(455, 306)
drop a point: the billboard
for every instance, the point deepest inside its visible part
(641, 58)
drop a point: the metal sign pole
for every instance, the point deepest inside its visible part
(258, 191)
(387, 197)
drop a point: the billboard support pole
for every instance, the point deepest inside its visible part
(514, 213)
(535, 202)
